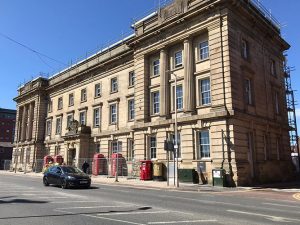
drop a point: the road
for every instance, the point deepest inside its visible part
(25, 201)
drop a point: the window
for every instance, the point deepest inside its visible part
(273, 68)
(179, 97)
(114, 85)
(113, 113)
(250, 147)
(57, 150)
(50, 106)
(48, 128)
(203, 50)
(205, 91)
(60, 103)
(245, 49)
(130, 153)
(266, 146)
(178, 59)
(131, 109)
(97, 90)
(248, 91)
(71, 99)
(58, 126)
(116, 146)
(204, 145)
(97, 117)
(97, 148)
(131, 78)
(83, 95)
(155, 66)
(82, 118)
(276, 102)
(155, 102)
(153, 147)
(69, 120)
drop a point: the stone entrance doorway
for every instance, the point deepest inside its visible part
(72, 157)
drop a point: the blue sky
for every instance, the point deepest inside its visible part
(66, 30)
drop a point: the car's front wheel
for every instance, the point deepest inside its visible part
(64, 184)
(45, 181)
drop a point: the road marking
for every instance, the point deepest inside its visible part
(270, 217)
(105, 218)
(184, 221)
(51, 197)
(280, 205)
(99, 206)
(73, 202)
(297, 196)
(134, 213)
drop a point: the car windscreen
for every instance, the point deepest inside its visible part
(71, 170)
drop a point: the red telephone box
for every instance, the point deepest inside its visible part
(146, 170)
(115, 157)
(99, 164)
(58, 159)
(47, 159)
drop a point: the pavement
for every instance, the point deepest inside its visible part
(151, 184)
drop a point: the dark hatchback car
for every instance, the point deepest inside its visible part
(66, 177)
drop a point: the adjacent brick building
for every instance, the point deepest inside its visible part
(7, 130)
(230, 95)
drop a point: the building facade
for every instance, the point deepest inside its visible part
(7, 131)
(229, 94)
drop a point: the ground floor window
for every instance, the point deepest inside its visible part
(153, 145)
(203, 144)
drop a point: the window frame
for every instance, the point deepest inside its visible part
(248, 91)
(71, 99)
(69, 121)
(95, 124)
(245, 49)
(202, 154)
(155, 105)
(152, 148)
(58, 126)
(203, 51)
(131, 79)
(97, 93)
(111, 114)
(83, 112)
(48, 127)
(59, 103)
(131, 109)
(114, 85)
(178, 64)
(203, 92)
(83, 95)
(155, 67)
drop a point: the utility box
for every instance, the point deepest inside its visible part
(187, 175)
(158, 171)
(219, 177)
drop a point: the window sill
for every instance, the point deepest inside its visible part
(114, 123)
(154, 76)
(203, 160)
(177, 68)
(95, 97)
(83, 101)
(70, 105)
(113, 92)
(130, 86)
(154, 115)
(131, 120)
(203, 106)
(202, 60)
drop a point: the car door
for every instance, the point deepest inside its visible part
(50, 173)
(56, 176)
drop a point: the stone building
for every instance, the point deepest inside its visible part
(230, 95)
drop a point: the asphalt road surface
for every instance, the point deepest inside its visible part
(25, 201)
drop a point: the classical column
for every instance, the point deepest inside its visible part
(164, 85)
(23, 126)
(189, 84)
(29, 122)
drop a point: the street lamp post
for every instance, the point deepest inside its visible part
(176, 132)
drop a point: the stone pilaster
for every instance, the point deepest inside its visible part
(164, 85)
(23, 124)
(30, 122)
(189, 84)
